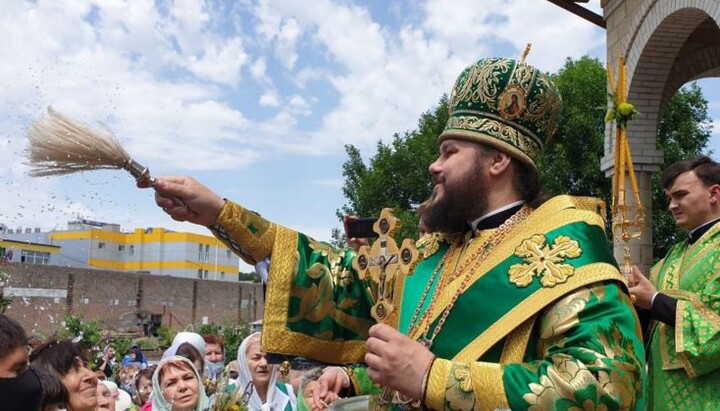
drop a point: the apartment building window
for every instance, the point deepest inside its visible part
(101, 245)
(222, 275)
(206, 273)
(121, 247)
(228, 253)
(207, 252)
(199, 272)
(200, 252)
(132, 250)
(35, 257)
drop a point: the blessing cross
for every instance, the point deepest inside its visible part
(381, 263)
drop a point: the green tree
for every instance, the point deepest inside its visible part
(570, 164)
(232, 336)
(397, 175)
(252, 276)
(684, 131)
(87, 333)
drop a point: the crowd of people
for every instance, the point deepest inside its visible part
(192, 375)
(516, 301)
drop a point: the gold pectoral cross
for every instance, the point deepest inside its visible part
(381, 263)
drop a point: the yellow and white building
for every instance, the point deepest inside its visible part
(90, 244)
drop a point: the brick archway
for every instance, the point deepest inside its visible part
(665, 44)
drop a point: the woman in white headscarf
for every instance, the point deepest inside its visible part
(259, 379)
(192, 338)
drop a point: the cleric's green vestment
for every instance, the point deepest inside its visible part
(685, 359)
(544, 323)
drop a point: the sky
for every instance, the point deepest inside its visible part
(254, 98)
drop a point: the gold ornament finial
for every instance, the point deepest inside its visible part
(284, 368)
(525, 53)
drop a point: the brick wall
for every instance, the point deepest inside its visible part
(106, 296)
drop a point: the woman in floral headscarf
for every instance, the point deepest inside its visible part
(177, 386)
(260, 379)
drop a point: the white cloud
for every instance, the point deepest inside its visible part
(269, 100)
(220, 63)
(297, 104)
(476, 25)
(258, 71)
(287, 42)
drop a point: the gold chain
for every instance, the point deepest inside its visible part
(441, 263)
(477, 257)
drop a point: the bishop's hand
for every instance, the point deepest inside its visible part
(396, 361)
(184, 199)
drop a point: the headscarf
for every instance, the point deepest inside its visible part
(193, 339)
(158, 401)
(275, 399)
(123, 402)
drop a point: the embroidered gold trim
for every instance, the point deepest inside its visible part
(438, 377)
(667, 363)
(703, 310)
(679, 340)
(495, 130)
(544, 219)
(276, 337)
(480, 82)
(586, 275)
(487, 380)
(516, 343)
(679, 313)
(236, 220)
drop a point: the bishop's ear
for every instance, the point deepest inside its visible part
(500, 162)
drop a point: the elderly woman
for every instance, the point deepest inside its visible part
(177, 386)
(260, 379)
(69, 361)
(106, 400)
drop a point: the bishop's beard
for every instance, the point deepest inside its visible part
(462, 202)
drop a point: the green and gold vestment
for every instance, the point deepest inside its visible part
(545, 322)
(685, 359)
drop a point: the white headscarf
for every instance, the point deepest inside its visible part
(275, 400)
(182, 337)
(123, 402)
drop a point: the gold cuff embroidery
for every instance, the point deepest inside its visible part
(679, 339)
(487, 379)
(437, 382)
(353, 380)
(254, 234)
(465, 386)
(679, 342)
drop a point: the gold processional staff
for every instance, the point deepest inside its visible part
(626, 225)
